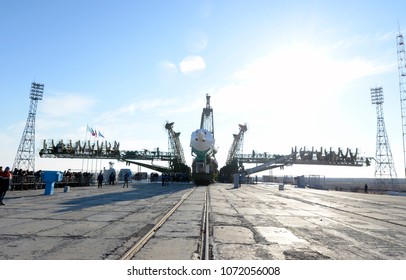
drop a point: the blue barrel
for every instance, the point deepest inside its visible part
(49, 178)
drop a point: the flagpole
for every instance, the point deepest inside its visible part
(91, 166)
(95, 137)
(101, 158)
(83, 159)
(90, 150)
(101, 146)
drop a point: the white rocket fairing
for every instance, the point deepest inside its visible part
(203, 149)
(203, 141)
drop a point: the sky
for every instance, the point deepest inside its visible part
(298, 73)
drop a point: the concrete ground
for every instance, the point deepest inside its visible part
(253, 222)
(262, 222)
(84, 223)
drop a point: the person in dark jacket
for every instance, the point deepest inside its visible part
(100, 180)
(126, 175)
(112, 178)
(5, 178)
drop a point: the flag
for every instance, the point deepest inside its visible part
(101, 135)
(93, 132)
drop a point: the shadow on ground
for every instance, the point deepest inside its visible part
(134, 192)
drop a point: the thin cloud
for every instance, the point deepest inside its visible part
(205, 8)
(388, 36)
(196, 41)
(168, 66)
(65, 105)
(120, 114)
(351, 42)
(192, 64)
(307, 69)
(363, 41)
(289, 89)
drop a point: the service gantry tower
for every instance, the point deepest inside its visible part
(385, 172)
(207, 119)
(175, 147)
(402, 89)
(25, 158)
(237, 145)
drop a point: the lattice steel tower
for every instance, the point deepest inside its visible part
(402, 88)
(175, 147)
(237, 145)
(385, 173)
(207, 119)
(25, 158)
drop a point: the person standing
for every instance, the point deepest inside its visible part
(5, 178)
(100, 180)
(126, 175)
(112, 178)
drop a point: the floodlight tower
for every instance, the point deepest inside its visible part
(25, 158)
(402, 89)
(385, 173)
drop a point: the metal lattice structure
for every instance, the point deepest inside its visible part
(236, 146)
(402, 88)
(385, 173)
(207, 119)
(174, 142)
(25, 158)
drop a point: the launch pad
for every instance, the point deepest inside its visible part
(204, 168)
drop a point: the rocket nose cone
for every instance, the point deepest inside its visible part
(200, 136)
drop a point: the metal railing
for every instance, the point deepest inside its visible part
(31, 182)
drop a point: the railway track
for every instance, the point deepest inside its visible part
(203, 244)
(205, 240)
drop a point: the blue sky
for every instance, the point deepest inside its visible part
(298, 73)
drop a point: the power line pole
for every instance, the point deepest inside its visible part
(25, 158)
(402, 88)
(385, 172)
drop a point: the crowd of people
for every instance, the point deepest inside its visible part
(19, 179)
